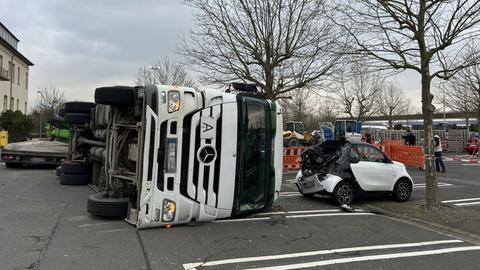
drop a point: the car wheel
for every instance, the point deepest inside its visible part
(77, 118)
(470, 152)
(402, 190)
(343, 193)
(78, 107)
(13, 165)
(102, 206)
(75, 179)
(116, 95)
(58, 171)
(70, 167)
(293, 142)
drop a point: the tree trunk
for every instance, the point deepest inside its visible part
(430, 176)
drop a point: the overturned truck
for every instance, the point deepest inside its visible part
(163, 155)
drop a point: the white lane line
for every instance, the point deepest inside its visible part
(330, 215)
(369, 258)
(303, 212)
(467, 204)
(294, 216)
(462, 200)
(192, 266)
(289, 192)
(471, 164)
(290, 195)
(290, 180)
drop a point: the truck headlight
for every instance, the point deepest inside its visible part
(168, 213)
(171, 151)
(173, 101)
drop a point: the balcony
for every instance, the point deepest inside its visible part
(4, 74)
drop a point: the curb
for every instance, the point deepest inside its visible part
(457, 233)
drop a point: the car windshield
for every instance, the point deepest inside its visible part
(256, 150)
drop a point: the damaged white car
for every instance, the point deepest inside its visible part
(345, 170)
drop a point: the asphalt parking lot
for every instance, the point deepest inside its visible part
(44, 225)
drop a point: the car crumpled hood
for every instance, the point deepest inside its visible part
(330, 157)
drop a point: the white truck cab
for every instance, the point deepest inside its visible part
(176, 154)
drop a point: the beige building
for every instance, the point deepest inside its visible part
(14, 68)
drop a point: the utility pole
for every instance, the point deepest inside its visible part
(40, 114)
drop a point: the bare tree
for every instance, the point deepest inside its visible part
(165, 72)
(51, 99)
(455, 94)
(359, 91)
(393, 103)
(422, 35)
(280, 45)
(299, 105)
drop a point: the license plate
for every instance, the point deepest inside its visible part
(37, 159)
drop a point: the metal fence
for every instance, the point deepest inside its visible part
(455, 142)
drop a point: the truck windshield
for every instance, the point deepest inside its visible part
(253, 174)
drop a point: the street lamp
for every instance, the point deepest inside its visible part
(154, 68)
(40, 114)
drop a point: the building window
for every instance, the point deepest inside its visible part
(26, 81)
(18, 74)
(12, 72)
(1, 62)
(17, 104)
(12, 100)
(5, 100)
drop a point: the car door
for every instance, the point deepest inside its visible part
(373, 172)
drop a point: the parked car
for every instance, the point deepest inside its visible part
(347, 169)
(473, 143)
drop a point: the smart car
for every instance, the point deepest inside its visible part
(347, 169)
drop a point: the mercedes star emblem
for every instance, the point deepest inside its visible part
(207, 154)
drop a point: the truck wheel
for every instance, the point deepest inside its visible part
(101, 206)
(116, 95)
(78, 107)
(293, 142)
(13, 165)
(75, 179)
(77, 118)
(70, 167)
(402, 190)
(343, 193)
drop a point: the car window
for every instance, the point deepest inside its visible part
(371, 154)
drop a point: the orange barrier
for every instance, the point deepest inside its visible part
(291, 157)
(392, 142)
(408, 155)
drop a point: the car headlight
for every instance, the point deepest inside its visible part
(171, 151)
(173, 101)
(168, 213)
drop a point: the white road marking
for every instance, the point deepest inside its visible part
(462, 200)
(291, 180)
(303, 212)
(294, 216)
(290, 195)
(467, 204)
(471, 164)
(440, 184)
(192, 266)
(369, 258)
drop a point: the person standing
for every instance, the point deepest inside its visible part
(409, 138)
(438, 154)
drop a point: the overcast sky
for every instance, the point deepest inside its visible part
(77, 46)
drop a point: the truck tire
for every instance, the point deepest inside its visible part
(70, 167)
(115, 95)
(101, 206)
(78, 107)
(77, 118)
(293, 142)
(13, 165)
(75, 179)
